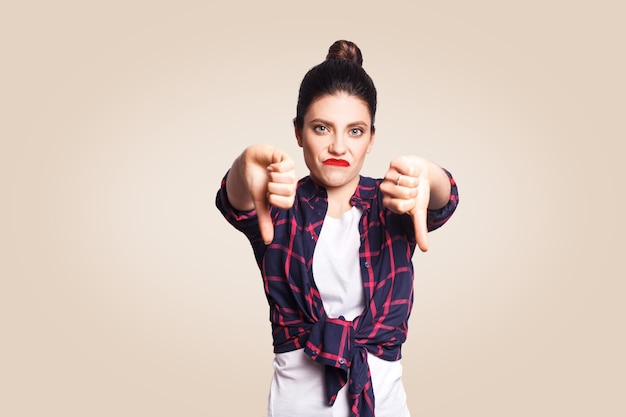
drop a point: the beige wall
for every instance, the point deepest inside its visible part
(125, 293)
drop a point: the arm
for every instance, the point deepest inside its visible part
(262, 176)
(414, 185)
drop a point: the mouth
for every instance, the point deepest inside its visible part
(337, 162)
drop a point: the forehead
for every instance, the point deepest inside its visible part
(339, 108)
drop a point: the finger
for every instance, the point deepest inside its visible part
(281, 195)
(403, 166)
(400, 191)
(266, 227)
(392, 176)
(288, 177)
(281, 201)
(403, 177)
(420, 214)
(281, 162)
(283, 189)
(421, 232)
(399, 205)
(405, 181)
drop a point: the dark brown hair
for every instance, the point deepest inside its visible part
(342, 71)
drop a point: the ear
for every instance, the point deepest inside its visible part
(298, 133)
(372, 139)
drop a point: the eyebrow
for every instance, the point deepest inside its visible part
(351, 124)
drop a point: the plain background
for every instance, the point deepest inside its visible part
(123, 290)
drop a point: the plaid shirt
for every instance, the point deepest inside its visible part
(296, 310)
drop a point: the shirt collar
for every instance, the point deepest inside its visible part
(364, 193)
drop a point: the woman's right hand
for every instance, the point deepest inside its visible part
(261, 176)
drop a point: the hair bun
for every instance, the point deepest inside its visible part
(345, 50)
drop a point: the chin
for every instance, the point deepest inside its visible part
(334, 182)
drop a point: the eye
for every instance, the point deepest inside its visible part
(320, 129)
(356, 131)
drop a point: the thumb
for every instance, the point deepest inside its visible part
(265, 219)
(421, 231)
(420, 213)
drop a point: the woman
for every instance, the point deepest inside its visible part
(335, 247)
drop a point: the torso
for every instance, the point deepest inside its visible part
(337, 277)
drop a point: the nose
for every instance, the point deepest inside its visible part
(337, 145)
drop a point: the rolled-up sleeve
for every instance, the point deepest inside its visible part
(244, 221)
(437, 218)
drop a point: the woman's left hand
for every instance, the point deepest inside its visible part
(406, 189)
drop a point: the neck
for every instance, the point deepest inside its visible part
(339, 199)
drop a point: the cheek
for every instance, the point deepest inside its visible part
(311, 147)
(309, 152)
(364, 149)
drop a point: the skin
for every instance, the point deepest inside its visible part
(335, 138)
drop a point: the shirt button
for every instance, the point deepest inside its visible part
(367, 264)
(342, 361)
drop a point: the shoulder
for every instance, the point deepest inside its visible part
(368, 189)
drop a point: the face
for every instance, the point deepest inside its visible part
(335, 137)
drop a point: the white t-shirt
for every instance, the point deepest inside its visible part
(297, 388)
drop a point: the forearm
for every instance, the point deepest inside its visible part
(236, 186)
(439, 187)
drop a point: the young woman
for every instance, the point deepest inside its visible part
(335, 247)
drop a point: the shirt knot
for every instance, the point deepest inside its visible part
(332, 344)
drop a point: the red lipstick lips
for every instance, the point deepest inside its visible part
(337, 162)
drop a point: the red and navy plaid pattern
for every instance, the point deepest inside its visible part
(296, 310)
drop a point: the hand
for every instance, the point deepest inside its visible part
(270, 178)
(406, 189)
